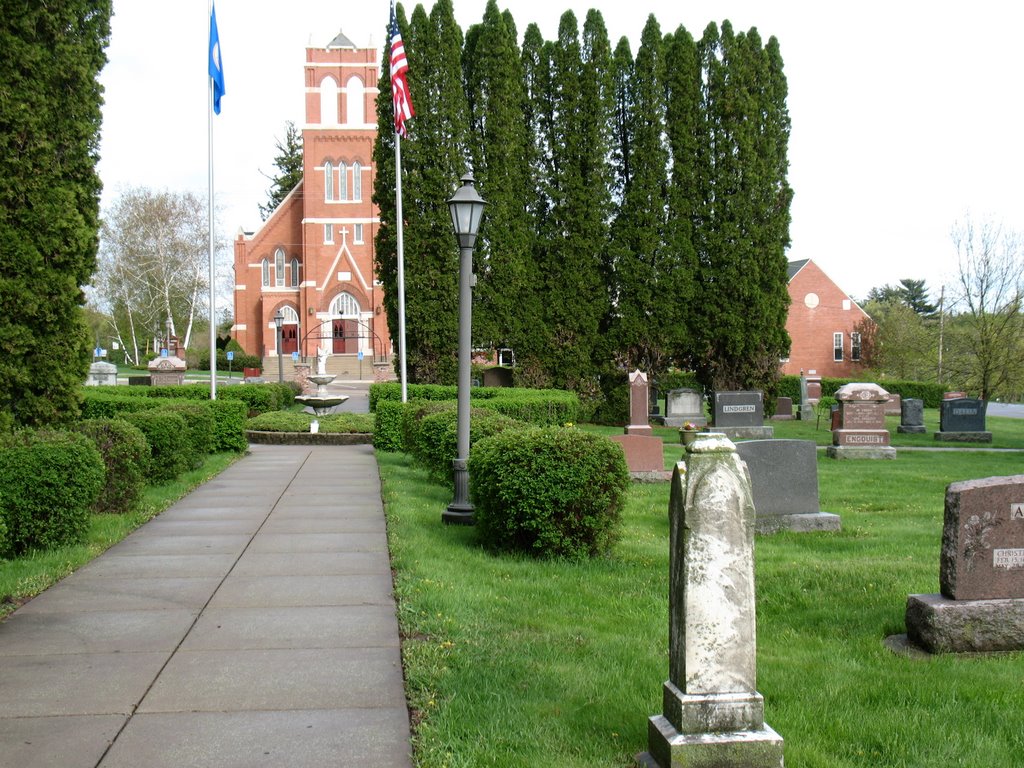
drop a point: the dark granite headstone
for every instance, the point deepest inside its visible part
(912, 416)
(964, 414)
(784, 481)
(739, 409)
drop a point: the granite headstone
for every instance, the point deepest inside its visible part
(962, 420)
(912, 416)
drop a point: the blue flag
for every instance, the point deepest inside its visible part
(216, 66)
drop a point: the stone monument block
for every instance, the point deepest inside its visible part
(861, 433)
(893, 405)
(166, 370)
(713, 714)
(783, 408)
(645, 456)
(741, 414)
(962, 420)
(684, 406)
(784, 482)
(912, 416)
(983, 539)
(638, 405)
(101, 374)
(981, 572)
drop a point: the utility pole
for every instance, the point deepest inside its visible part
(942, 296)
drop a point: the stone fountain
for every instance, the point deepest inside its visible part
(321, 402)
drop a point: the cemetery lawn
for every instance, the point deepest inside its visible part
(517, 662)
(25, 577)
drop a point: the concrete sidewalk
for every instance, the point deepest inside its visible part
(251, 624)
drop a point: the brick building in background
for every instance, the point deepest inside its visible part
(822, 325)
(313, 259)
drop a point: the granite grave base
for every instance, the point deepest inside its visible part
(743, 749)
(964, 437)
(918, 429)
(747, 433)
(644, 454)
(860, 452)
(941, 625)
(798, 523)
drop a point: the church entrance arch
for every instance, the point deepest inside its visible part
(289, 331)
(345, 324)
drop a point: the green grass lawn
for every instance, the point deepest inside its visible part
(515, 662)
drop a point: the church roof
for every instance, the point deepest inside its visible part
(794, 267)
(340, 41)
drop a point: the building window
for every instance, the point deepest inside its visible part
(328, 234)
(855, 346)
(357, 233)
(279, 268)
(295, 273)
(357, 182)
(354, 111)
(329, 101)
(345, 306)
(342, 182)
(328, 181)
(837, 344)
(266, 273)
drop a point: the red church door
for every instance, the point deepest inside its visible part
(289, 339)
(346, 341)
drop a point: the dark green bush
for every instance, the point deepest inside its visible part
(931, 393)
(169, 449)
(295, 421)
(48, 482)
(229, 425)
(125, 455)
(198, 428)
(548, 491)
(536, 406)
(388, 426)
(412, 417)
(99, 403)
(437, 438)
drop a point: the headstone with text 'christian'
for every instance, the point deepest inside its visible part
(981, 572)
(643, 451)
(962, 420)
(712, 713)
(784, 481)
(684, 406)
(861, 433)
(741, 414)
(912, 416)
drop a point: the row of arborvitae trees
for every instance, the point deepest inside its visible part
(638, 207)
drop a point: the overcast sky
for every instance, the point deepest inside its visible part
(906, 116)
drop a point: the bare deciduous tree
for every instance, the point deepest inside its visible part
(986, 350)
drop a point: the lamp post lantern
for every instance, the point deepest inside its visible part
(466, 207)
(278, 320)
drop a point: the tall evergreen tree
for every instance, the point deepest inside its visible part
(505, 295)
(740, 310)
(644, 321)
(570, 265)
(289, 169)
(49, 200)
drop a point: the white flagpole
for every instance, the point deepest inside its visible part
(401, 267)
(213, 288)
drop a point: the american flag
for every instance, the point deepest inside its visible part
(399, 85)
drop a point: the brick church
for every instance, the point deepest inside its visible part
(312, 261)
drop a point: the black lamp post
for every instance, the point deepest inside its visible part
(278, 320)
(467, 208)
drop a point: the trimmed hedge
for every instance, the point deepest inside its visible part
(48, 482)
(536, 406)
(548, 491)
(930, 393)
(170, 450)
(229, 425)
(291, 421)
(125, 454)
(388, 426)
(198, 429)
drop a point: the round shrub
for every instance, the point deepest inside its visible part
(437, 438)
(169, 450)
(548, 491)
(198, 428)
(125, 454)
(48, 482)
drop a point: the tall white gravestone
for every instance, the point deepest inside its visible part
(713, 715)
